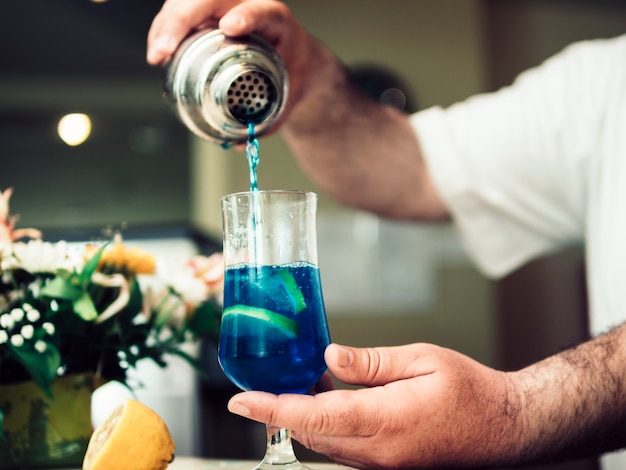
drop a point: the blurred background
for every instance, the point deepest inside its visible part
(141, 170)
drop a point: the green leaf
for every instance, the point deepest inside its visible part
(84, 307)
(90, 266)
(61, 287)
(135, 302)
(162, 316)
(205, 320)
(42, 366)
(166, 308)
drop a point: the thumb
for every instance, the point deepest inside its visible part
(373, 366)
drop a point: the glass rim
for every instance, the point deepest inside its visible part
(269, 191)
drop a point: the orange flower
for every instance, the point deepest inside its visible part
(120, 258)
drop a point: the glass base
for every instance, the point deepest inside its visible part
(295, 465)
(279, 453)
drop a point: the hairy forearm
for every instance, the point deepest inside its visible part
(360, 152)
(574, 403)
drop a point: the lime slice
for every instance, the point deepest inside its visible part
(257, 318)
(292, 289)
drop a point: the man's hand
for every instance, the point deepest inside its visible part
(178, 18)
(425, 407)
(430, 407)
(270, 19)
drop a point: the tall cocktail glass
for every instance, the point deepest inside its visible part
(274, 328)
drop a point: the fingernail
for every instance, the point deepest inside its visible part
(234, 20)
(165, 43)
(238, 409)
(344, 357)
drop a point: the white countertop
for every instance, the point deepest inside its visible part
(191, 463)
(188, 463)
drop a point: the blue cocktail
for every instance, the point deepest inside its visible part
(274, 331)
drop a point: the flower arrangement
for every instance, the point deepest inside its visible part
(96, 308)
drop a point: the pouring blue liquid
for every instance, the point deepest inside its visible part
(252, 155)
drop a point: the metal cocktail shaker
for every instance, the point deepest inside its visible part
(217, 85)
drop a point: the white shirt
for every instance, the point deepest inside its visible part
(541, 164)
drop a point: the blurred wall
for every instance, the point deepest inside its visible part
(67, 56)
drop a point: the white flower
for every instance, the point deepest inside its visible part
(187, 279)
(27, 331)
(41, 346)
(17, 314)
(32, 314)
(5, 249)
(191, 288)
(158, 300)
(17, 340)
(37, 256)
(4, 337)
(140, 319)
(6, 321)
(49, 327)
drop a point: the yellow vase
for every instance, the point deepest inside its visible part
(42, 432)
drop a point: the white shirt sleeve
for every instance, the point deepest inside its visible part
(512, 165)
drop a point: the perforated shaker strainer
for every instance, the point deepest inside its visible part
(217, 85)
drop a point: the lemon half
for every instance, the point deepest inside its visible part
(133, 437)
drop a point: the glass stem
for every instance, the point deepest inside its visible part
(279, 448)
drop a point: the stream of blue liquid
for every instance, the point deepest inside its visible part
(252, 155)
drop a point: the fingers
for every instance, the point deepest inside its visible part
(333, 413)
(376, 366)
(178, 18)
(342, 412)
(265, 17)
(369, 366)
(346, 425)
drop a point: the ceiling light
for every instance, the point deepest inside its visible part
(74, 129)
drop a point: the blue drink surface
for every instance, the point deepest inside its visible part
(274, 330)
